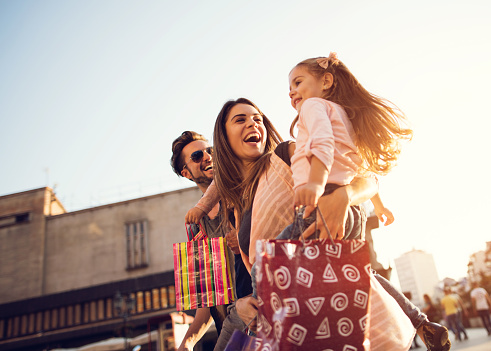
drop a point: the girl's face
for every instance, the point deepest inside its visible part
(246, 133)
(304, 85)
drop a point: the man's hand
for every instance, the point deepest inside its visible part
(194, 215)
(334, 208)
(232, 241)
(247, 310)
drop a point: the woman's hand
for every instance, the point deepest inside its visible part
(247, 310)
(194, 215)
(334, 208)
(232, 241)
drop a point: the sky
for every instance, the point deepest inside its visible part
(92, 94)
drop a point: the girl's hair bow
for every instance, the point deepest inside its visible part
(324, 61)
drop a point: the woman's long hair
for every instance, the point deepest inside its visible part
(234, 190)
(378, 124)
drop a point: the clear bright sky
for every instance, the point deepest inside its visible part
(92, 93)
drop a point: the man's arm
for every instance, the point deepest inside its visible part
(197, 329)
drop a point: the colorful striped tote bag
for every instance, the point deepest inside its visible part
(202, 273)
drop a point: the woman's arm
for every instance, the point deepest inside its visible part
(197, 329)
(334, 206)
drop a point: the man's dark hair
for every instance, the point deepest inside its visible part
(176, 160)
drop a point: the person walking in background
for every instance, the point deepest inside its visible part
(481, 303)
(431, 310)
(451, 306)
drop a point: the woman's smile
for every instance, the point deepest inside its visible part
(246, 132)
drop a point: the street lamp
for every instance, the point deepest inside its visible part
(124, 305)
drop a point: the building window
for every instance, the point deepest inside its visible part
(15, 219)
(137, 244)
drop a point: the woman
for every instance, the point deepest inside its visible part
(246, 156)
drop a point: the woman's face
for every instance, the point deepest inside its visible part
(246, 133)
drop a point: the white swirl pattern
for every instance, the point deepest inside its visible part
(334, 251)
(297, 334)
(304, 277)
(312, 252)
(292, 309)
(345, 326)
(361, 299)
(282, 278)
(339, 301)
(275, 302)
(351, 273)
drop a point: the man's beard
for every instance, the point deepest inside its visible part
(201, 180)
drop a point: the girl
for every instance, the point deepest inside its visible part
(343, 130)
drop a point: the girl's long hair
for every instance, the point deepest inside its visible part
(234, 190)
(380, 126)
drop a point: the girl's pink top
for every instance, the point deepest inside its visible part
(324, 131)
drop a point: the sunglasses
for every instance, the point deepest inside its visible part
(197, 156)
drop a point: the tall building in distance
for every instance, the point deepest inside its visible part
(417, 274)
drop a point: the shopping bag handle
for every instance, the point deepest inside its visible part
(191, 237)
(247, 326)
(319, 213)
(297, 221)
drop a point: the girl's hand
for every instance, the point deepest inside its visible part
(308, 194)
(334, 208)
(385, 216)
(247, 310)
(194, 215)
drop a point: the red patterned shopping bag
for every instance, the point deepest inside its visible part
(202, 273)
(313, 295)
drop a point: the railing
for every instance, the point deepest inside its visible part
(84, 313)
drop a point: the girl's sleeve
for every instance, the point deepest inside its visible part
(320, 142)
(209, 199)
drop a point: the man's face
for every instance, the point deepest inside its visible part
(201, 172)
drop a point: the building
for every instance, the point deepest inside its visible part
(69, 279)
(417, 275)
(479, 265)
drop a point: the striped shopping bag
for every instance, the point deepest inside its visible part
(202, 273)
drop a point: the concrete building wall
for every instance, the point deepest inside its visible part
(22, 242)
(88, 247)
(54, 251)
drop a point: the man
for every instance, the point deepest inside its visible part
(192, 158)
(481, 303)
(451, 305)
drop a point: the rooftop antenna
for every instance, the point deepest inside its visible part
(46, 170)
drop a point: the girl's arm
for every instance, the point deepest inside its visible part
(308, 194)
(204, 206)
(384, 214)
